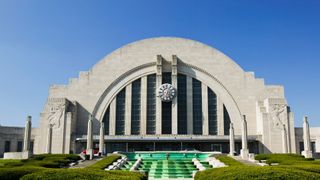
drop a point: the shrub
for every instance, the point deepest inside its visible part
(251, 172)
(75, 174)
(308, 167)
(229, 161)
(18, 172)
(42, 160)
(284, 159)
(105, 162)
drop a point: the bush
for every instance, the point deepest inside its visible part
(284, 159)
(251, 172)
(105, 162)
(42, 160)
(18, 172)
(308, 167)
(229, 161)
(75, 174)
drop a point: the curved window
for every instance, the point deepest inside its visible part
(120, 112)
(226, 120)
(197, 106)
(106, 121)
(212, 112)
(135, 107)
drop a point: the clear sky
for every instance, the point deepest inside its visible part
(48, 42)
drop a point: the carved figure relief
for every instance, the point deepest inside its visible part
(276, 111)
(55, 115)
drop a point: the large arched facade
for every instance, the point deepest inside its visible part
(122, 93)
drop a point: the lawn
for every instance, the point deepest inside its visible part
(291, 166)
(50, 167)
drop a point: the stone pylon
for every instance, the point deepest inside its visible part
(284, 139)
(89, 138)
(101, 141)
(231, 136)
(244, 151)
(27, 135)
(306, 139)
(49, 140)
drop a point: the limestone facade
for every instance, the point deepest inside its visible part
(121, 91)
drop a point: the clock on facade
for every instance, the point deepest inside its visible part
(166, 92)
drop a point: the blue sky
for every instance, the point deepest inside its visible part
(48, 42)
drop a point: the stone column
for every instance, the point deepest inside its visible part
(189, 106)
(284, 140)
(27, 135)
(158, 100)
(174, 79)
(89, 138)
(143, 111)
(205, 111)
(101, 140)
(307, 153)
(231, 136)
(128, 101)
(49, 139)
(244, 151)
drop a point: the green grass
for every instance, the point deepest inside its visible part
(75, 174)
(286, 159)
(105, 162)
(42, 160)
(291, 167)
(229, 161)
(47, 167)
(255, 172)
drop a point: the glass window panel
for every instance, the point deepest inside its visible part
(197, 106)
(135, 107)
(106, 121)
(166, 108)
(212, 112)
(151, 104)
(182, 104)
(226, 120)
(120, 112)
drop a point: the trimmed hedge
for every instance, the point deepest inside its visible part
(43, 160)
(285, 159)
(105, 162)
(229, 161)
(251, 172)
(75, 174)
(18, 172)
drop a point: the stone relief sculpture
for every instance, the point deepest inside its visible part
(276, 111)
(55, 115)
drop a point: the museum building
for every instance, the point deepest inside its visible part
(166, 94)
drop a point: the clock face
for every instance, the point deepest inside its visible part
(166, 92)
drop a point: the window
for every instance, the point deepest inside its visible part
(197, 106)
(226, 120)
(182, 104)
(151, 104)
(106, 121)
(120, 112)
(166, 108)
(212, 112)
(136, 107)
(19, 146)
(7, 145)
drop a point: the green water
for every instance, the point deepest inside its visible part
(168, 164)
